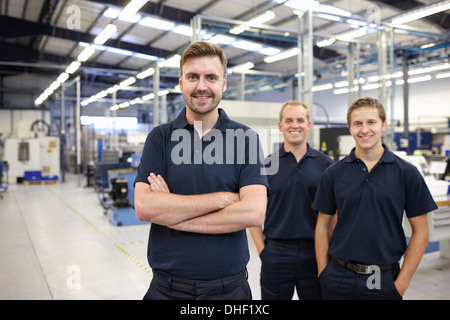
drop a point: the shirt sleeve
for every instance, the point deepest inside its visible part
(418, 198)
(253, 171)
(324, 200)
(152, 159)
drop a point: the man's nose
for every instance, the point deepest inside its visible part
(201, 85)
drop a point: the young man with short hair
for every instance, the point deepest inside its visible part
(286, 250)
(369, 190)
(200, 189)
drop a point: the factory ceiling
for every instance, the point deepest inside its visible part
(43, 37)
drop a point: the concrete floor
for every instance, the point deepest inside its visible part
(57, 244)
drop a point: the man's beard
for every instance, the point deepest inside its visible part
(200, 107)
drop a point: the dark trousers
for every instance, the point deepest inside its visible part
(340, 283)
(289, 264)
(234, 287)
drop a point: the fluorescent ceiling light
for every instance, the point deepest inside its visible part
(341, 84)
(328, 17)
(326, 42)
(325, 8)
(421, 13)
(145, 73)
(269, 51)
(247, 45)
(183, 30)
(111, 13)
(47, 92)
(395, 75)
(145, 56)
(282, 55)
(357, 23)
(427, 45)
(101, 94)
(345, 90)
(132, 7)
(95, 46)
(127, 82)
(239, 29)
(242, 67)
(73, 67)
(259, 20)
(86, 54)
(149, 96)
(133, 18)
(353, 34)
(419, 79)
(218, 38)
(119, 51)
(157, 23)
(112, 89)
(428, 69)
(103, 36)
(443, 75)
(371, 86)
(322, 87)
(341, 91)
(301, 5)
(55, 85)
(172, 62)
(63, 77)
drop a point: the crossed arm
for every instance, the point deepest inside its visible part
(218, 212)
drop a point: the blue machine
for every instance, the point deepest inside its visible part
(3, 187)
(122, 212)
(421, 140)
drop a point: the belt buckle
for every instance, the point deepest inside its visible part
(362, 269)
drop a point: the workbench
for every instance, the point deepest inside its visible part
(438, 224)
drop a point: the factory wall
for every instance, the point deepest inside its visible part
(429, 102)
(429, 106)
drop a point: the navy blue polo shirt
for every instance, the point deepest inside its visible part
(291, 193)
(370, 207)
(227, 158)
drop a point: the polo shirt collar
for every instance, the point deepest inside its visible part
(309, 153)
(222, 124)
(387, 157)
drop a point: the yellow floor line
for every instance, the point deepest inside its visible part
(85, 219)
(117, 245)
(132, 258)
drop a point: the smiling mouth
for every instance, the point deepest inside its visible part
(202, 97)
(365, 138)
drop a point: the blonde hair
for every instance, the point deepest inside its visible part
(294, 103)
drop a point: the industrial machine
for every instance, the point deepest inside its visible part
(121, 207)
(3, 177)
(33, 155)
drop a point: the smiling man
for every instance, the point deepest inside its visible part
(370, 189)
(287, 254)
(200, 209)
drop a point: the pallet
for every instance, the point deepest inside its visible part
(40, 182)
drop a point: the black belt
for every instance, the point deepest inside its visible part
(193, 286)
(361, 268)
